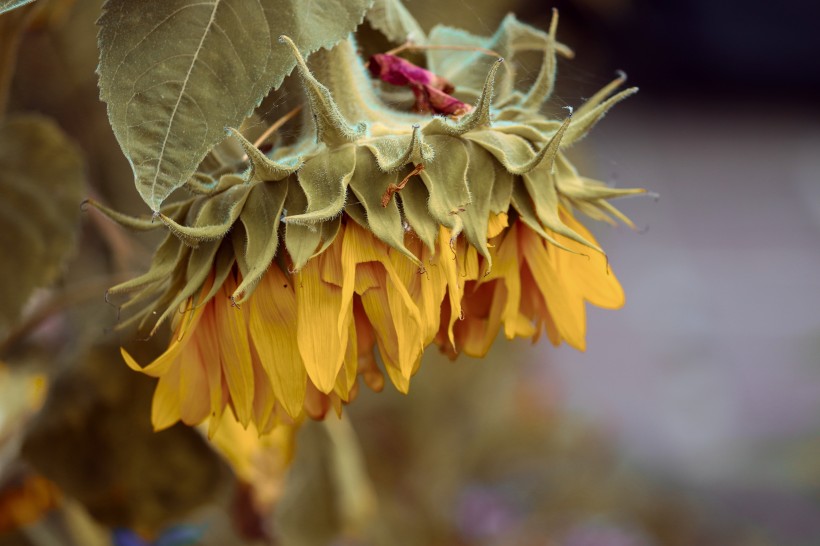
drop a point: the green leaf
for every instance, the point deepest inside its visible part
(392, 19)
(176, 73)
(41, 183)
(8, 5)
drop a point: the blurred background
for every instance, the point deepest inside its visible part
(692, 418)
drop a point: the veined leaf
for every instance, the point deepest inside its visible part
(41, 181)
(176, 73)
(8, 5)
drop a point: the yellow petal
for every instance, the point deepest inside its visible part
(404, 277)
(447, 262)
(591, 276)
(433, 287)
(264, 416)
(475, 334)
(316, 402)
(207, 339)
(186, 324)
(467, 260)
(408, 331)
(347, 375)
(358, 247)
(318, 306)
(506, 266)
(399, 380)
(165, 405)
(376, 306)
(332, 271)
(497, 224)
(235, 353)
(194, 405)
(272, 324)
(566, 311)
(365, 343)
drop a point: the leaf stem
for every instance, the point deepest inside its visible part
(274, 127)
(410, 46)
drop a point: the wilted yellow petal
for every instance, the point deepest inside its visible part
(318, 306)
(447, 263)
(405, 313)
(591, 276)
(193, 383)
(567, 312)
(316, 402)
(483, 307)
(498, 222)
(506, 267)
(272, 319)
(264, 400)
(207, 339)
(235, 353)
(365, 343)
(433, 288)
(165, 404)
(347, 375)
(376, 304)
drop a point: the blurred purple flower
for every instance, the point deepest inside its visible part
(602, 534)
(482, 512)
(179, 535)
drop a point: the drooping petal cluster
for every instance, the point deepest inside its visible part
(400, 230)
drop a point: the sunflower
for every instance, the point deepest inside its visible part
(401, 229)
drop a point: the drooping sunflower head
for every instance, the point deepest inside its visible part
(378, 231)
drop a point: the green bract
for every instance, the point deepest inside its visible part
(353, 147)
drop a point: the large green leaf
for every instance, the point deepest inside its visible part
(41, 183)
(8, 5)
(176, 73)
